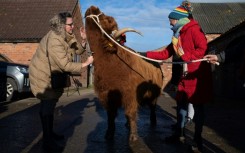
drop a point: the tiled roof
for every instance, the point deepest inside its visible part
(217, 18)
(23, 20)
(226, 34)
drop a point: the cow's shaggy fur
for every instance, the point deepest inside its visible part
(121, 78)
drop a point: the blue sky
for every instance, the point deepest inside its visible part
(148, 16)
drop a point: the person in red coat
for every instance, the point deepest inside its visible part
(188, 43)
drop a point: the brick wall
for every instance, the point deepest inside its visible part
(19, 52)
(211, 37)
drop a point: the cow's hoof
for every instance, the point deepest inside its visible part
(133, 137)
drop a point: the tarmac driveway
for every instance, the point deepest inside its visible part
(83, 121)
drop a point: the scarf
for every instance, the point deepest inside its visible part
(70, 39)
(176, 41)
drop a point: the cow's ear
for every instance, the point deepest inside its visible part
(109, 46)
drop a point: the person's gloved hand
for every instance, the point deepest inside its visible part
(142, 53)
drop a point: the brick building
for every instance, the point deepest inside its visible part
(25, 22)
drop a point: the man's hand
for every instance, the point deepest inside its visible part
(90, 60)
(211, 59)
(83, 33)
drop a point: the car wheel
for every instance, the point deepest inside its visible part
(11, 89)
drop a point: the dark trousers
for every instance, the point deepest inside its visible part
(47, 117)
(47, 107)
(199, 122)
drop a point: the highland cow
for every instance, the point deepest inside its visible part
(121, 79)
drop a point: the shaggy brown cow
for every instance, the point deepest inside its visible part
(121, 79)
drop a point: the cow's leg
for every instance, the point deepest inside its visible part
(114, 99)
(131, 115)
(111, 115)
(153, 113)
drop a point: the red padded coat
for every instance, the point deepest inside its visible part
(196, 86)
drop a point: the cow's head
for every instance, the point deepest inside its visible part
(95, 20)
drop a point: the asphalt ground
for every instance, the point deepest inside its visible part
(83, 122)
(224, 126)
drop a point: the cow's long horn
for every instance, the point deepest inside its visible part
(124, 30)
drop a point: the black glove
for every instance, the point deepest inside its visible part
(142, 53)
(90, 53)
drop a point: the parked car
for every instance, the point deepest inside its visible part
(14, 79)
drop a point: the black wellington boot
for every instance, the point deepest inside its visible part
(55, 135)
(49, 143)
(177, 137)
(197, 144)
